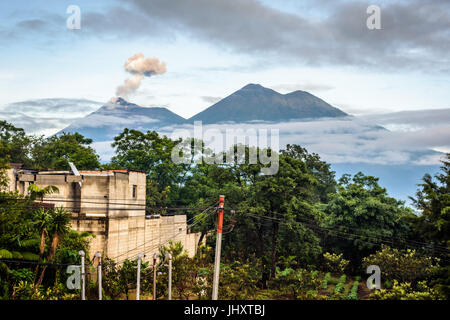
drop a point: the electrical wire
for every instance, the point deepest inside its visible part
(149, 241)
(391, 238)
(174, 236)
(104, 203)
(328, 230)
(36, 263)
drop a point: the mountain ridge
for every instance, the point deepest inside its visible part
(253, 102)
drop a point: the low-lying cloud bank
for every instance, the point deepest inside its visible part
(353, 140)
(408, 137)
(47, 116)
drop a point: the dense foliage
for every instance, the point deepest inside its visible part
(298, 234)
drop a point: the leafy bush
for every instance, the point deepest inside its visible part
(300, 284)
(30, 256)
(388, 284)
(309, 285)
(238, 281)
(5, 254)
(405, 266)
(405, 291)
(20, 275)
(335, 262)
(120, 279)
(26, 291)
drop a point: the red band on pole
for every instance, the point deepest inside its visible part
(220, 222)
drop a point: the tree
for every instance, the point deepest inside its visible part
(56, 152)
(402, 265)
(183, 270)
(16, 145)
(433, 202)
(270, 208)
(32, 234)
(121, 279)
(41, 218)
(433, 223)
(4, 180)
(361, 216)
(326, 183)
(151, 153)
(58, 227)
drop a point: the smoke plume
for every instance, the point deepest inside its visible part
(139, 67)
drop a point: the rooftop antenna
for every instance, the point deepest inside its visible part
(75, 172)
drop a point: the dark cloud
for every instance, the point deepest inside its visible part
(120, 22)
(414, 33)
(32, 24)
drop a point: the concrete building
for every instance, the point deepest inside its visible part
(111, 205)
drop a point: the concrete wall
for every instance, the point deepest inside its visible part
(110, 205)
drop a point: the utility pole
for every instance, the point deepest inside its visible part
(155, 256)
(138, 284)
(169, 256)
(215, 289)
(83, 276)
(99, 268)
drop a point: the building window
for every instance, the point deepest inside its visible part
(134, 193)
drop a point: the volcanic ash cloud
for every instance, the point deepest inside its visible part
(139, 67)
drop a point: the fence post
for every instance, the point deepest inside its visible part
(138, 284)
(83, 276)
(155, 256)
(99, 267)
(169, 256)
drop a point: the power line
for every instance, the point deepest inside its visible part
(149, 241)
(106, 202)
(323, 229)
(174, 236)
(37, 263)
(410, 241)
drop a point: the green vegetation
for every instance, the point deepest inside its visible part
(298, 234)
(335, 262)
(42, 236)
(325, 280)
(353, 295)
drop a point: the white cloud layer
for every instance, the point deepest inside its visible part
(354, 140)
(413, 137)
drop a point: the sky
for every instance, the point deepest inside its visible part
(397, 76)
(212, 48)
